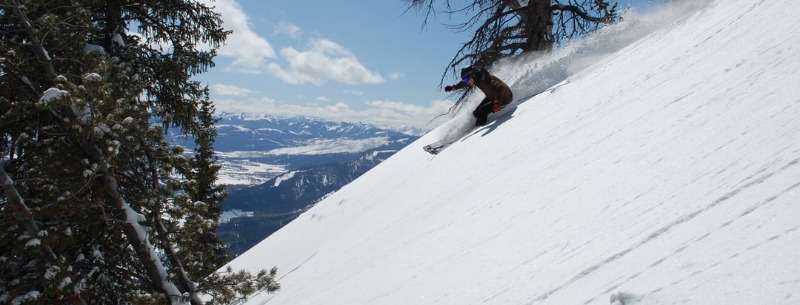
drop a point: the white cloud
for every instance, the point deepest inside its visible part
(231, 90)
(354, 92)
(247, 47)
(404, 108)
(395, 113)
(380, 113)
(238, 105)
(396, 75)
(324, 61)
(291, 30)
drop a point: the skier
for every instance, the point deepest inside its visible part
(497, 93)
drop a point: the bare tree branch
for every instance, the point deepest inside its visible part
(508, 28)
(581, 13)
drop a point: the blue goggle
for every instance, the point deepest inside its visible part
(466, 79)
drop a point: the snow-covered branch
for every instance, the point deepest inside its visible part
(135, 232)
(21, 211)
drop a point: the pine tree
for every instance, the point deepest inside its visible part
(97, 207)
(204, 200)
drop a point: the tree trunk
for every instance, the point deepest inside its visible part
(539, 26)
(21, 211)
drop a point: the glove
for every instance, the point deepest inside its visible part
(449, 88)
(497, 106)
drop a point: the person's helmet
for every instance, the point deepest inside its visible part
(469, 72)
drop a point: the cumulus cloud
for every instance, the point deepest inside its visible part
(400, 107)
(239, 105)
(231, 90)
(379, 113)
(247, 47)
(289, 29)
(354, 92)
(324, 61)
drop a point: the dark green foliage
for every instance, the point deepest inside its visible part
(96, 206)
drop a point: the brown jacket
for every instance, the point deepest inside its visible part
(492, 87)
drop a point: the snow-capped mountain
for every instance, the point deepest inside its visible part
(266, 133)
(276, 167)
(663, 169)
(254, 148)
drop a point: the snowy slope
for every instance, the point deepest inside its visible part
(663, 172)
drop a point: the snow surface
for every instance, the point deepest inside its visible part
(243, 168)
(242, 171)
(331, 146)
(662, 171)
(231, 214)
(285, 177)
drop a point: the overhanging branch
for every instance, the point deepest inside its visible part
(580, 12)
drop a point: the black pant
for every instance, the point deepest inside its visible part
(482, 111)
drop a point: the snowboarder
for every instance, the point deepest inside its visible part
(497, 93)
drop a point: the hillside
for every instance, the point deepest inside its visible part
(663, 167)
(278, 201)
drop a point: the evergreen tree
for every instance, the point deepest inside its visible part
(204, 200)
(97, 207)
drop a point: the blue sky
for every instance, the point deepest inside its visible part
(351, 60)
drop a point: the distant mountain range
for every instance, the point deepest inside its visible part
(255, 148)
(276, 168)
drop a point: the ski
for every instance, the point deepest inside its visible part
(438, 146)
(434, 149)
